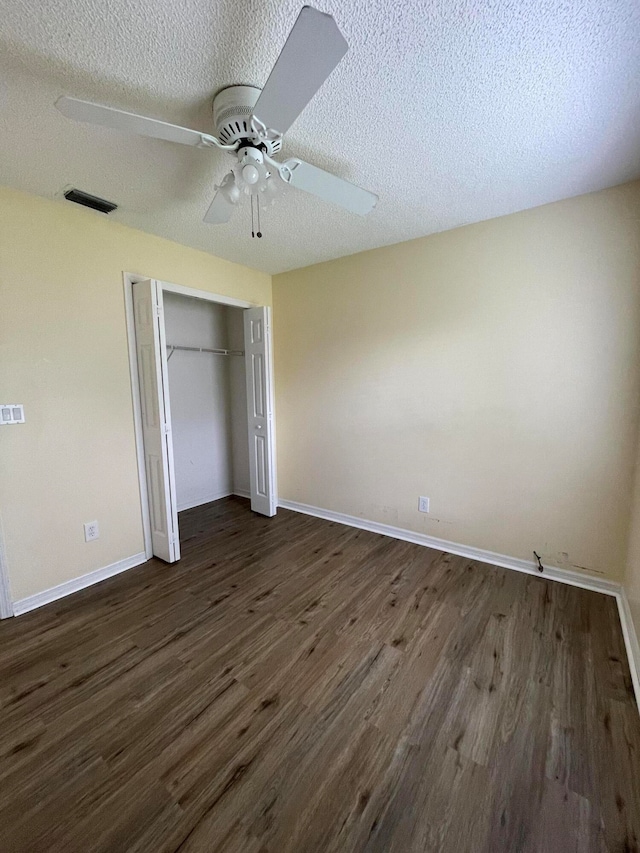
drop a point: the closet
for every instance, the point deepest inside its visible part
(202, 383)
(207, 387)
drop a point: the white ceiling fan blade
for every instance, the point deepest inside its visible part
(313, 49)
(329, 187)
(131, 122)
(221, 208)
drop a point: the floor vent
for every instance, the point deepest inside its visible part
(91, 201)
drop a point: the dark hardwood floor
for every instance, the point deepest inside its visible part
(297, 686)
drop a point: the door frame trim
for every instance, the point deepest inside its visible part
(128, 280)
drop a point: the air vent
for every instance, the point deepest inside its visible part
(91, 201)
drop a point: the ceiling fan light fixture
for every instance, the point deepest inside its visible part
(270, 191)
(233, 193)
(229, 189)
(250, 174)
(250, 122)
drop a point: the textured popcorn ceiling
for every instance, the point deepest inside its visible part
(451, 111)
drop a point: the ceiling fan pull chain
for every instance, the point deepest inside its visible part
(252, 229)
(258, 206)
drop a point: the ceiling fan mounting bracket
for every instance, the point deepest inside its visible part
(232, 111)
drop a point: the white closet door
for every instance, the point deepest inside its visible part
(156, 419)
(259, 370)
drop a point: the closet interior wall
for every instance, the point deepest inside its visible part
(208, 400)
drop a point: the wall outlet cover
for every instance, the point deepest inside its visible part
(91, 531)
(423, 504)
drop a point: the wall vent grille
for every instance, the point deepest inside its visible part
(92, 201)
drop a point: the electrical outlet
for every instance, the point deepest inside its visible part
(91, 531)
(423, 504)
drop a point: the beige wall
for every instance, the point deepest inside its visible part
(63, 353)
(494, 368)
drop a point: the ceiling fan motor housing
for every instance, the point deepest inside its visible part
(232, 109)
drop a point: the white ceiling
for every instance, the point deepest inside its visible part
(453, 111)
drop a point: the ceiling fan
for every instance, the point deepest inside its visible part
(250, 122)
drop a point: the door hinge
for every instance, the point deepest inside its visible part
(166, 429)
(158, 310)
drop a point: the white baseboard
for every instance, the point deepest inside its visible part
(528, 566)
(241, 493)
(23, 605)
(630, 640)
(554, 573)
(31, 602)
(215, 496)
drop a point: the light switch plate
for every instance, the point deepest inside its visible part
(11, 413)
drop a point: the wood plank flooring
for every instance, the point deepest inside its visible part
(295, 686)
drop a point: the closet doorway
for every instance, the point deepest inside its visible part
(202, 383)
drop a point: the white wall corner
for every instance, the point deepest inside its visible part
(31, 602)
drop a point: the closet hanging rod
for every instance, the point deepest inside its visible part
(173, 347)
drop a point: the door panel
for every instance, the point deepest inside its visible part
(156, 419)
(259, 402)
(261, 467)
(257, 345)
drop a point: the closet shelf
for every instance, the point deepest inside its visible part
(173, 347)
